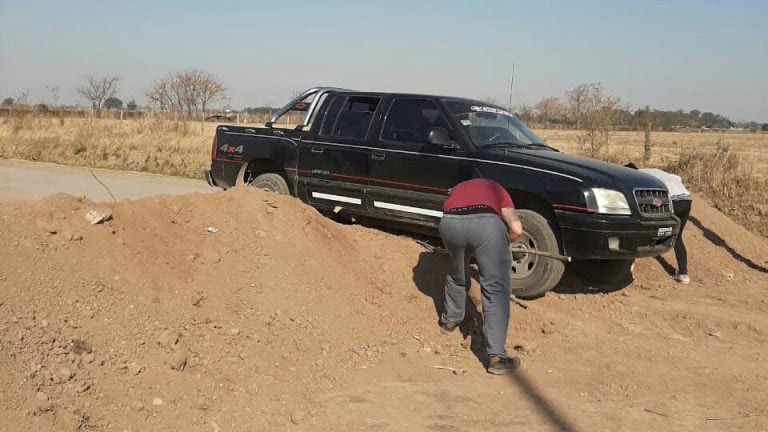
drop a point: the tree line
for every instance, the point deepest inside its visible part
(188, 94)
(191, 93)
(591, 99)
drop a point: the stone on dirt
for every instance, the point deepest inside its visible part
(98, 216)
(178, 360)
(81, 347)
(297, 417)
(135, 368)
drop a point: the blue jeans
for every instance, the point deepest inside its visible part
(485, 236)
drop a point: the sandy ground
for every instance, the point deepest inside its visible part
(242, 310)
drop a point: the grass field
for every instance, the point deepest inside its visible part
(731, 169)
(151, 145)
(668, 146)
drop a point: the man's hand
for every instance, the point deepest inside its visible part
(514, 227)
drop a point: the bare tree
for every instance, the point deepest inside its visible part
(210, 91)
(161, 94)
(23, 98)
(594, 112)
(97, 90)
(188, 93)
(549, 109)
(55, 92)
(526, 113)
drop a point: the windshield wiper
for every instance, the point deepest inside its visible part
(539, 146)
(505, 144)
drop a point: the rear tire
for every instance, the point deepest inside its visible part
(271, 182)
(534, 275)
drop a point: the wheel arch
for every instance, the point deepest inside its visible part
(258, 166)
(526, 200)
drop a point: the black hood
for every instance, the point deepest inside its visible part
(592, 172)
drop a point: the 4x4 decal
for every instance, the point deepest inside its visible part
(231, 149)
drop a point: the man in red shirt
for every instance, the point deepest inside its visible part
(479, 218)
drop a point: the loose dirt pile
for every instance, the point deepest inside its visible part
(244, 310)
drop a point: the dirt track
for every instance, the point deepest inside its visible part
(284, 320)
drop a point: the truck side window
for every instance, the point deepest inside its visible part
(350, 117)
(330, 116)
(411, 119)
(296, 115)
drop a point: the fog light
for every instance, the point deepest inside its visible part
(613, 243)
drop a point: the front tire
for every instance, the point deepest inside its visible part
(534, 275)
(271, 182)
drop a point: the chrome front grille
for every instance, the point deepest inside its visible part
(653, 202)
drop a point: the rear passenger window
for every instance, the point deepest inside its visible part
(350, 117)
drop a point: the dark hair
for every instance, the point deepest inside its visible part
(631, 165)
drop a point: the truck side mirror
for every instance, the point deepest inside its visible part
(439, 136)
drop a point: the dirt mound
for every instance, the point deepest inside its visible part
(244, 310)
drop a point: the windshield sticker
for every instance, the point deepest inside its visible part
(490, 110)
(466, 122)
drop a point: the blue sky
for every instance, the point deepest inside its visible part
(707, 55)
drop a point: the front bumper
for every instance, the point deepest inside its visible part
(590, 236)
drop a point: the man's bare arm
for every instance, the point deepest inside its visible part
(514, 227)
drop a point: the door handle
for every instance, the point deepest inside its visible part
(316, 149)
(377, 156)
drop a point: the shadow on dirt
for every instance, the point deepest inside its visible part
(545, 407)
(575, 283)
(719, 241)
(429, 277)
(669, 268)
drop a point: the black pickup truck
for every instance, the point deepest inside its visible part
(392, 158)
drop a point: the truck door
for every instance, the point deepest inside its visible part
(410, 178)
(334, 164)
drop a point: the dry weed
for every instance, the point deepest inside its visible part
(667, 146)
(730, 181)
(150, 144)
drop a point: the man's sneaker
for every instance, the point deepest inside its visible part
(502, 365)
(448, 328)
(683, 279)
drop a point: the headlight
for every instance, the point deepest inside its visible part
(611, 202)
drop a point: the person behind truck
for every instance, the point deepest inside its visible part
(479, 218)
(681, 204)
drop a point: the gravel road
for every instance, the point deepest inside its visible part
(21, 180)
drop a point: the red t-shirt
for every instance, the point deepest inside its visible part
(478, 192)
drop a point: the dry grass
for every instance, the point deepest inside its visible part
(730, 169)
(729, 180)
(151, 145)
(668, 146)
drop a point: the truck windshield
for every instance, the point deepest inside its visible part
(491, 126)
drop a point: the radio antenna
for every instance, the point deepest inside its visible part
(511, 83)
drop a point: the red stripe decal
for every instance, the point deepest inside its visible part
(230, 161)
(574, 208)
(371, 179)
